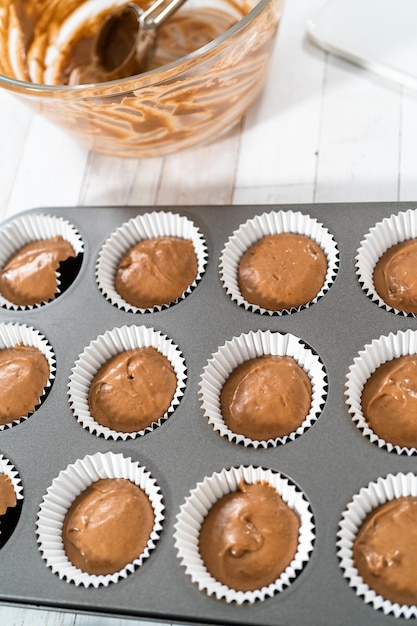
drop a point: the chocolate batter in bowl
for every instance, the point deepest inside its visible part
(210, 64)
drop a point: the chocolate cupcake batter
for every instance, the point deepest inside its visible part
(24, 374)
(266, 397)
(395, 278)
(249, 537)
(47, 42)
(29, 277)
(132, 390)
(7, 494)
(156, 271)
(107, 526)
(389, 401)
(70, 29)
(385, 550)
(282, 271)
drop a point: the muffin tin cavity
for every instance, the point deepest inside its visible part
(385, 234)
(251, 346)
(199, 502)
(191, 458)
(37, 363)
(11, 499)
(28, 230)
(377, 493)
(398, 393)
(72, 481)
(113, 343)
(271, 223)
(141, 229)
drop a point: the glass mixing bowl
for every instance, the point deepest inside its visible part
(180, 103)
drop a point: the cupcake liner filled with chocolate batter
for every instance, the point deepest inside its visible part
(151, 262)
(265, 543)
(27, 368)
(279, 262)
(381, 392)
(11, 499)
(40, 257)
(386, 261)
(96, 510)
(263, 389)
(127, 382)
(377, 544)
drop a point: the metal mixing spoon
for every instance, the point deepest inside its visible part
(126, 43)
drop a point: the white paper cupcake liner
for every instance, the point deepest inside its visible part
(147, 226)
(103, 348)
(6, 467)
(65, 488)
(250, 346)
(28, 228)
(378, 352)
(196, 507)
(11, 335)
(369, 498)
(272, 223)
(385, 234)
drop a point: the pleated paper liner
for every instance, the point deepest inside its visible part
(250, 346)
(103, 348)
(201, 499)
(28, 228)
(10, 518)
(65, 488)
(375, 354)
(385, 234)
(13, 334)
(367, 499)
(272, 223)
(137, 229)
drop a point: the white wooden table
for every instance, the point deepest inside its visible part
(323, 131)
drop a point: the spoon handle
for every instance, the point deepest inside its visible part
(158, 12)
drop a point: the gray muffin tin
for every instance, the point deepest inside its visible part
(330, 462)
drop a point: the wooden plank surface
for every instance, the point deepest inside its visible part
(322, 131)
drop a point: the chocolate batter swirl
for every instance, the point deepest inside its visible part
(181, 103)
(249, 537)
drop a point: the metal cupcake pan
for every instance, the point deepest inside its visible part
(330, 462)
